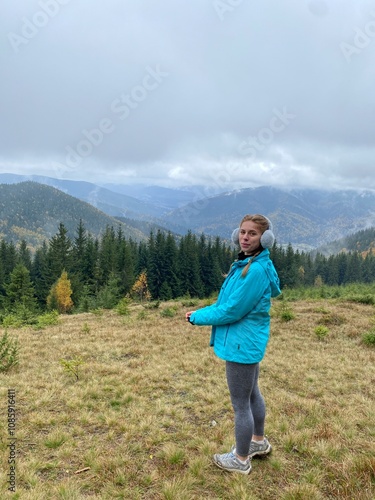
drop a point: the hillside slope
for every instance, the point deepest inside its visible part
(118, 201)
(33, 212)
(362, 241)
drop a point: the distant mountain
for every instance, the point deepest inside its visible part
(33, 212)
(110, 202)
(165, 198)
(306, 218)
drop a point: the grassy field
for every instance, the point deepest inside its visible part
(148, 406)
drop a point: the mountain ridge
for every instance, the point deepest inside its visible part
(306, 218)
(33, 212)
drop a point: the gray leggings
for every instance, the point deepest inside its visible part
(248, 403)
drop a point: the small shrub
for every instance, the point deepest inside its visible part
(321, 332)
(97, 311)
(122, 307)
(71, 366)
(362, 299)
(286, 313)
(142, 315)
(152, 305)
(12, 320)
(18, 316)
(169, 312)
(368, 338)
(189, 302)
(9, 351)
(47, 319)
(85, 328)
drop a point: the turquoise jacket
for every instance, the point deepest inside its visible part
(240, 317)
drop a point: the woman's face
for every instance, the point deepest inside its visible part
(249, 237)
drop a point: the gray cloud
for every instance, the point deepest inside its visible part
(191, 92)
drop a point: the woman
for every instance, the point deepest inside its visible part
(240, 330)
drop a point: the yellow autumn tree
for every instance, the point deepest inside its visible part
(140, 288)
(60, 295)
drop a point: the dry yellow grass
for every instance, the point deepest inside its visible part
(151, 406)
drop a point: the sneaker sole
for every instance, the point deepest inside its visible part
(262, 452)
(247, 471)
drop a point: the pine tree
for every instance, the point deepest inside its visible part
(191, 282)
(165, 292)
(332, 271)
(154, 269)
(20, 290)
(353, 270)
(342, 264)
(77, 277)
(368, 268)
(321, 268)
(8, 259)
(171, 266)
(109, 295)
(210, 272)
(309, 270)
(90, 266)
(290, 267)
(60, 249)
(41, 274)
(226, 255)
(24, 255)
(125, 263)
(162, 265)
(143, 257)
(107, 255)
(78, 249)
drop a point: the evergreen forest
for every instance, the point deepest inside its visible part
(98, 272)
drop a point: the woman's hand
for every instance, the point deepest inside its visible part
(187, 315)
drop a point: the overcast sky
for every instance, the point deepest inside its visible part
(221, 93)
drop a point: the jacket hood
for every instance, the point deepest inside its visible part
(264, 260)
